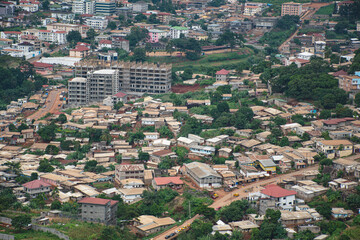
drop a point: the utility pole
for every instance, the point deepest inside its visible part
(189, 210)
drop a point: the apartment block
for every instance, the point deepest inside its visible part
(105, 79)
(68, 27)
(77, 91)
(83, 7)
(350, 83)
(105, 7)
(291, 8)
(97, 22)
(53, 36)
(98, 210)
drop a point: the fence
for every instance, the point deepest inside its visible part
(6, 236)
(51, 230)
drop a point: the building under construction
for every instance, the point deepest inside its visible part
(105, 79)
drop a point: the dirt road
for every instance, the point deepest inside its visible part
(228, 198)
(164, 234)
(51, 105)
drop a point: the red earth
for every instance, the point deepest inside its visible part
(179, 88)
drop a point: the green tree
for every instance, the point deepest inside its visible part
(56, 204)
(91, 34)
(118, 105)
(326, 114)
(143, 156)
(73, 36)
(112, 25)
(304, 235)
(45, 166)
(34, 176)
(139, 55)
(357, 99)
(21, 221)
(271, 228)
(47, 133)
(62, 118)
(52, 150)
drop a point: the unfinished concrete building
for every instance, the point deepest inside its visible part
(106, 79)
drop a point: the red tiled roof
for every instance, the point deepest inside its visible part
(337, 120)
(162, 152)
(120, 94)
(42, 65)
(167, 180)
(339, 73)
(276, 191)
(222, 72)
(80, 48)
(12, 32)
(97, 201)
(36, 184)
(105, 41)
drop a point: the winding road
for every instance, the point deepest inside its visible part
(51, 105)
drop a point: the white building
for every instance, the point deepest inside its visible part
(53, 36)
(97, 22)
(176, 32)
(203, 175)
(83, 7)
(284, 199)
(130, 195)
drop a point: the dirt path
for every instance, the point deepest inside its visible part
(229, 198)
(164, 234)
(51, 105)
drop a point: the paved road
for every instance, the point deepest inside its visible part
(51, 105)
(162, 236)
(228, 198)
(37, 58)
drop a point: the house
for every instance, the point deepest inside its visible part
(222, 228)
(335, 148)
(130, 195)
(98, 210)
(159, 155)
(243, 226)
(203, 175)
(341, 183)
(202, 150)
(163, 182)
(267, 165)
(341, 213)
(151, 135)
(295, 218)
(36, 187)
(284, 199)
(185, 142)
(147, 224)
(126, 171)
(28, 133)
(225, 152)
(79, 51)
(131, 183)
(222, 75)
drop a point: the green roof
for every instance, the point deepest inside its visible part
(180, 28)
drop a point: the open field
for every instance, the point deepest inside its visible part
(326, 10)
(217, 59)
(29, 234)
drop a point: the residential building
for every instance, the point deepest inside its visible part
(291, 8)
(155, 35)
(126, 171)
(105, 7)
(350, 83)
(79, 51)
(98, 210)
(164, 182)
(140, 7)
(203, 175)
(77, 94)
(222, 75)
(284, 199)
(36, 187)
(335, 148)
(267, 165)
(129, 77)
(147, 224)
(6, 9)
(82, 29)
(121, 43)
(53, 36)
(252, 10)
(83, 7)
(132, 183)
(341, 213)
(97, 22)
(176, 32)
(130, 195)
(202, 150)
(358, 26)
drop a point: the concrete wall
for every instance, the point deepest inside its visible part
(5, 220)
(51, 230)
(6, 236)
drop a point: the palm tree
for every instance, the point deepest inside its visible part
(170, 48)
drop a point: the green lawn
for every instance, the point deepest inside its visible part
(326, 10)
(279, 2)
(214, 60)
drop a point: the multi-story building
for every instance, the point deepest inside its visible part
(7, 9)
(155, 35)
(350, 83)
(36, 187)
(106, 79)
(77, 91)
(83, 7)
(140, 7)
(53, 36)
(98, 210)
(252, 10)
(105, 7)
(176, 32)
(291, 8)
(358, 26)
(335, 148)
(121, 43)
(284, 199)
(82, 29)
(126, 171)
(97, 22)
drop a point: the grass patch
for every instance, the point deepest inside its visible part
(353, 233)
(103, 185)
(214, 60)
(326, 10)
(29, 234)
